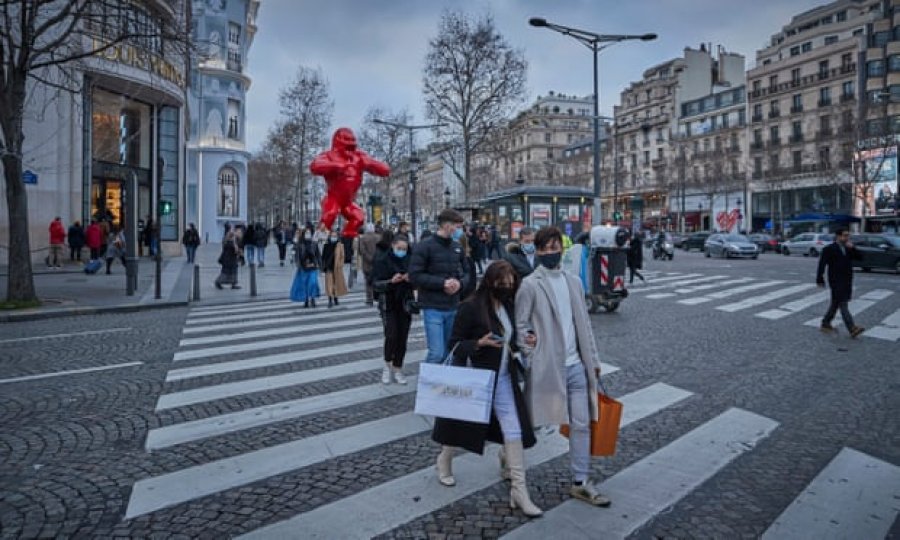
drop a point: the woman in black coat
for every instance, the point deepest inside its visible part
(391, 276)
(484, 332)
(635, 258)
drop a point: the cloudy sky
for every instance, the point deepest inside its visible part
(372, 51)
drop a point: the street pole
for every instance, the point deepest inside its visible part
(592, 41)
(131, 211)
(598, 207)
(414, 226)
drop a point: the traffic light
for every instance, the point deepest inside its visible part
(165, 207)
(617, 216)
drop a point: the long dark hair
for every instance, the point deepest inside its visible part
(484, 295)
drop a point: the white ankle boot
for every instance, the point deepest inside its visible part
(386, 375)
(399, 378)
(444, 466)
(518, 493)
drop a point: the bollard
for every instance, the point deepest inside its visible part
(196, 282)
(252, 280)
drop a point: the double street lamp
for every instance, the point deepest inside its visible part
(412, 164)
(596, 43)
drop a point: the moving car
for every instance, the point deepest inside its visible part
(765, 242)
(877, 250)
(678, 239)
(695, 241)
(808, 244)
(730, 245)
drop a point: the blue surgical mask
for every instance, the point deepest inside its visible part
(456, 234)
(399, 253)
(333, 239)
(528, 249)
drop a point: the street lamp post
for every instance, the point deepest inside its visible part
(593, 42)
(412, 162)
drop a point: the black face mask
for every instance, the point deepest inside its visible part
(504, 294)
(549, 260)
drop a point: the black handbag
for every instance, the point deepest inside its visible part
(411, 306)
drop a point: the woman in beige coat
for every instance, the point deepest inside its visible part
(333, 268)
(562, 366)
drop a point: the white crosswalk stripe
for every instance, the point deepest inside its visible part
(855, 496)
(729, 292)
(641, 491)
(790, 308)
(888, 329)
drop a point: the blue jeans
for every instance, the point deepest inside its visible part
(438, 326)
(260, 255)
(191, 253)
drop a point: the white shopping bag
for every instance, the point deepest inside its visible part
(462, 393)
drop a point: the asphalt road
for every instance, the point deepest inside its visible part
(262, 417)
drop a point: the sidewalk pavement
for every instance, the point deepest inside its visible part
(69, 291)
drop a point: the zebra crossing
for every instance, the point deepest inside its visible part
(692, 289)
(220, 360)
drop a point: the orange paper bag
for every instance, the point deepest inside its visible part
(605, 432)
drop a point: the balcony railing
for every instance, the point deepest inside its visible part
(775, 143)
(808, 80)
(796, 109)
(774, 114)
(847, 97)
(756, 145)
(796, 138)
(824, 134)
(825, 102)
(756, 118)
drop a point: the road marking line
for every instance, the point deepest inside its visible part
(729, 292)
(271, 382)
(856, 307)
(165, 490)
(376, 510)
(713, 285)
(758, 300)
(278, 412)
(68, 372)
(695, 278)
(283, 342)
(251, 307)
(643, 490)
(291, 310)
(854, 496)
(311, 326)
(72, 334)
(273, 317)
(790, 308)
(657, 296)
(889, 329)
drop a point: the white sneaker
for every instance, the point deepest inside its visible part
(386, 375)
(399, 378)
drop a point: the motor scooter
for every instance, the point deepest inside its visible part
(663, 250)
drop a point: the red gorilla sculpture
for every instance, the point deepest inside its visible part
(343, 167)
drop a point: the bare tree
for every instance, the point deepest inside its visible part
(42, 43)
(306, 110)
(472, 80)
(387, 143)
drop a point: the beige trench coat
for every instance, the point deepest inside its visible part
(335, 284)
(545, 389)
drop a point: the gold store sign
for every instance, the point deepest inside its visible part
(135, 57)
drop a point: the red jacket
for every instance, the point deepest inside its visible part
(93, 236)
(57, 232)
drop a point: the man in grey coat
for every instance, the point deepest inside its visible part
(562, 365)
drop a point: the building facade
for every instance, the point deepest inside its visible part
(217, 156)
(877, 195)
(119, 125)
(805, 117)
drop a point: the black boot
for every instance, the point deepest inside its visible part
(335, 300)
(306, 304)
(330, 303)
(313, 302)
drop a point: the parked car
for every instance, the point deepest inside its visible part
(877, 250)
(730, 245)
(678, 239)
(765, 242)
(695, 241)
(808, 244)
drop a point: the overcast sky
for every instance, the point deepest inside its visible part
(372, 51)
